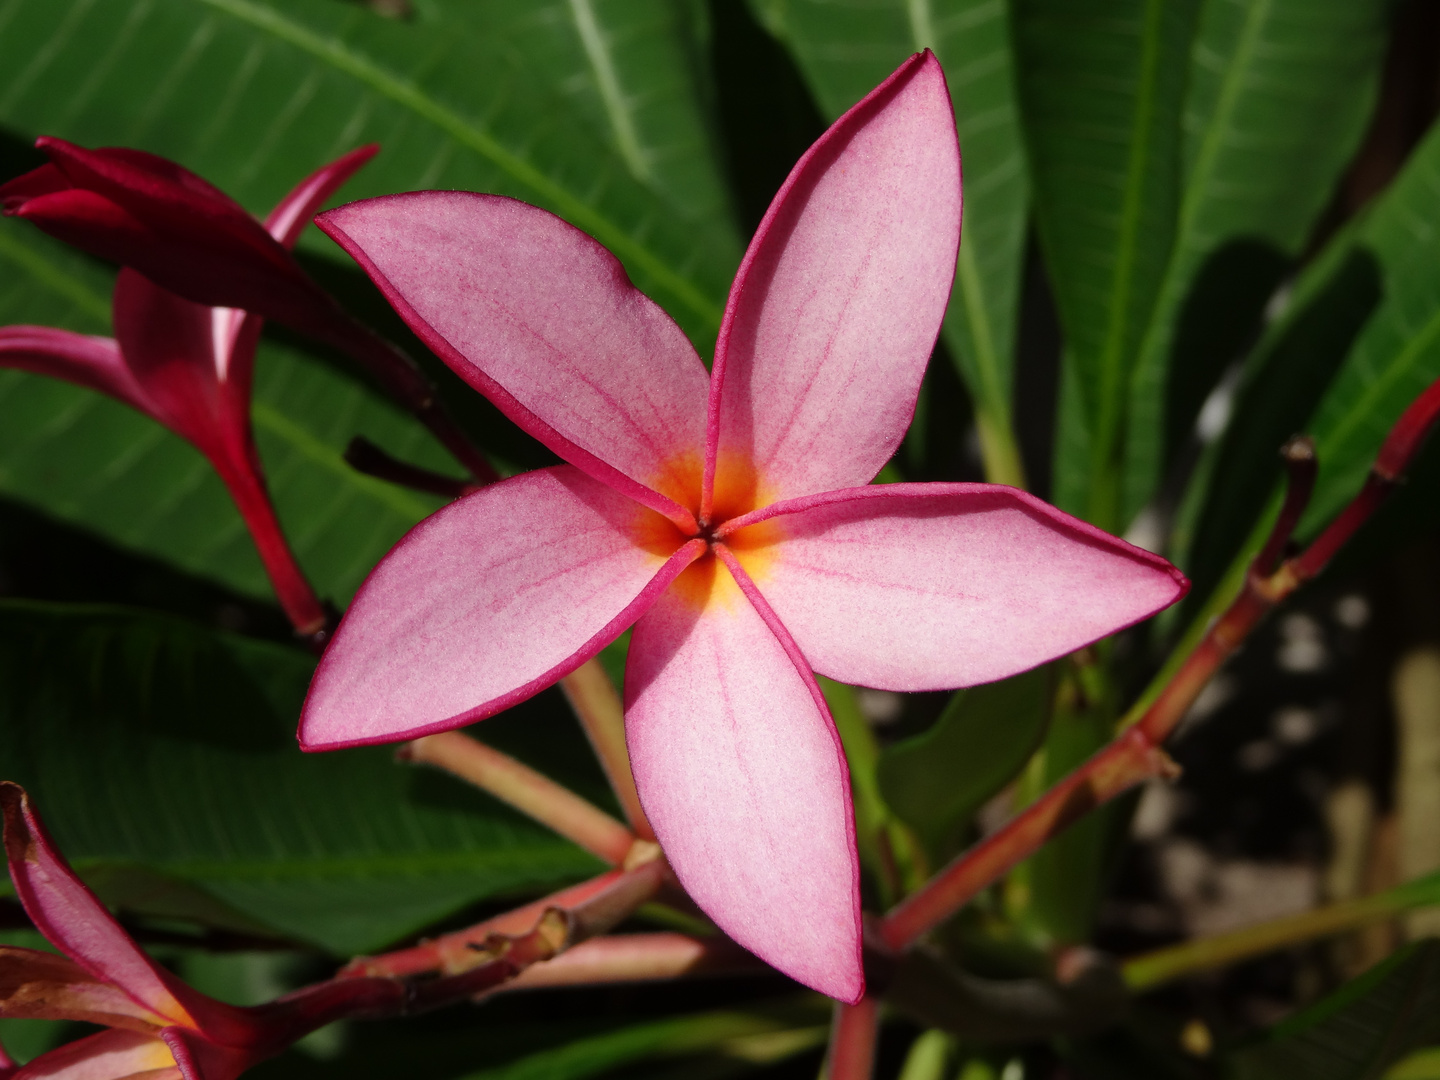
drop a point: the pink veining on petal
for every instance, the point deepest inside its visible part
(742, 775)
(544, 321)
(488, 602)
(838, 302)
(933, 586)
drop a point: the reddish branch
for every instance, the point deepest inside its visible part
(852, 1041)
(1136, 755)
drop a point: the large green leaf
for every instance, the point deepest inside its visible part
(1102, 87)
(1280, 91)
(845, 51)
(936, 781)
(191, 799)
(635, 70)
(1361, 1029)
(254, 94)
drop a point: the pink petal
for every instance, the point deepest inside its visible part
(743, 777)
(542, 320)
(237, 332)
(70, 916)
(487, 602)
(931, 586)
(42, 986)
(109, 1055)
(838, 301)
(94, 362)
(288, 220)
(170, 346)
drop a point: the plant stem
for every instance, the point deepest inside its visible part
(852, 1040)
(528, 791)
(592, 695)
(494, 960)
(1126, 762)
(297, 598)
(460, 951)
(1135, 755)
(627, 958)
(402, 379)
(1151, 969)
(364, 456)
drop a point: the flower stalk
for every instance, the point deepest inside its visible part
(853, 1032)
(364, 456)
(530, 792)
(593, 697)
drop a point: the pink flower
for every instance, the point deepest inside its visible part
(155, 1021)
(184, 234)
(183, 364)
(728, 517)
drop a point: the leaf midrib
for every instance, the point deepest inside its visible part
(1193, 194)
(406, 94)
(1112, 354)
(612, 95)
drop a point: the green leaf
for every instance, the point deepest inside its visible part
(253, 95)
(1368, 311)
(190, 778)
(1361, 1029)
(887, 849)
(634, 70)
(1102, 86)
(1280, 92)
(845, 51)
(936, 781)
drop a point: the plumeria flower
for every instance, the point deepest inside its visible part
(156, 1026)
(189, 367)
(728, 517)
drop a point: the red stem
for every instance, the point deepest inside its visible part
(364, 456)
(852, 1040)
(302, 607)
(403, 380)
(1136, 755)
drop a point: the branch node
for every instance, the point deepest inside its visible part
(1301, 465)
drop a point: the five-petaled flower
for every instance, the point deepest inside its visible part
(728, 516)
(184, 364)
(158, 1028)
